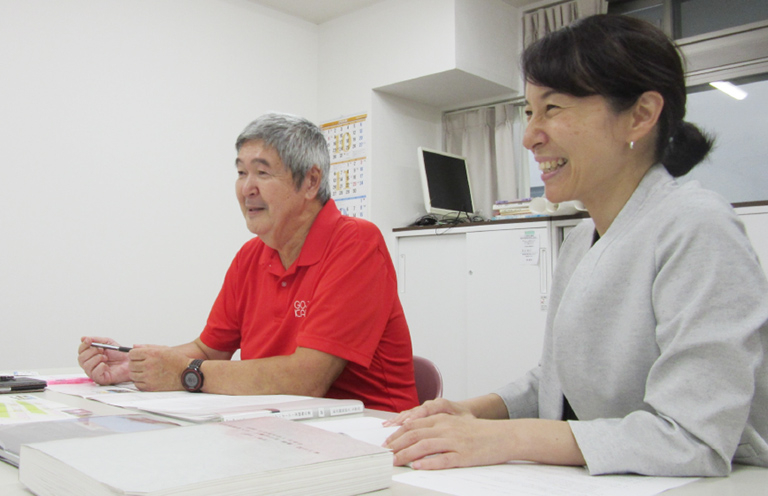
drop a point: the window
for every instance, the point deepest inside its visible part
(647, 10)
(686, 18)
(736, 167)
(721, 41)
(705, 16)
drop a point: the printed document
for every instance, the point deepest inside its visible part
(529, 479)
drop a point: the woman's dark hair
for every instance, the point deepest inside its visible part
(620, 58)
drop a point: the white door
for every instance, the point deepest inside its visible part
(432, 285)
(507, 297)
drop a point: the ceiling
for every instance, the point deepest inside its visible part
(320, 11)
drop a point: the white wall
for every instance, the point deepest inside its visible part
(404, 62)
(488, 41)
(117, 128)
(388, 42)
(397, 197)
(117, 209)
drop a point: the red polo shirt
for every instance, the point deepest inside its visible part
(339, 297)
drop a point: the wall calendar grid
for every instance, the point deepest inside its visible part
(347, 140)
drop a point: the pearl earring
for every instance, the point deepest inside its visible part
(631, 145)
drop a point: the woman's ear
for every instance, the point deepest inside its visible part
(645, 114)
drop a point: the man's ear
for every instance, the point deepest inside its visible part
(645, 114)
(312, 181)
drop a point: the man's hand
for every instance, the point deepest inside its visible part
(102, 366)
(157, 368)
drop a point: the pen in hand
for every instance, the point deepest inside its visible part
(125, 349)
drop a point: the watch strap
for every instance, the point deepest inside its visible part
(195, 364)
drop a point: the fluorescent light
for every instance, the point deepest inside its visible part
(730, 89)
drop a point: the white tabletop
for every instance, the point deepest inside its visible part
(743, 481)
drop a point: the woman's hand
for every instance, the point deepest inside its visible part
(447, 433)
(429, 408)
(448, 440)
(102, 366)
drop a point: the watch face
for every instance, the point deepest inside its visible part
(191, 379)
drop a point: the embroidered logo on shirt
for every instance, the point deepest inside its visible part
(300, 308)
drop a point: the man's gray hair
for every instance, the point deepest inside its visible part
(299, 143)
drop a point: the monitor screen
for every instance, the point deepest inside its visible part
(445, 182)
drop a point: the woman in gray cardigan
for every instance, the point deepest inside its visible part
(654, 356)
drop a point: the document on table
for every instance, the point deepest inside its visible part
(22, 408)
(88, 389)
(368, 429)
(212, 407)
(257, 456)
(529, 479)
(124, 395)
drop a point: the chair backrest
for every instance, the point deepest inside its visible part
(429, 381)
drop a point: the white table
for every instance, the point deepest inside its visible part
(744, 481)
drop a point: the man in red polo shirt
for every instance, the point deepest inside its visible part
(311, 302)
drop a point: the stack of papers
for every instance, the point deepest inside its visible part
(202, 407)
(262, 456)
(217, 407)
(13, 436)
(368, 429)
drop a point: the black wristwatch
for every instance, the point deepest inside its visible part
(192, 377)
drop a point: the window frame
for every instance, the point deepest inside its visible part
(726, 54)
(723, 54)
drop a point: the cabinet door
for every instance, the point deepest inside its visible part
(508, 274)
(432, 287)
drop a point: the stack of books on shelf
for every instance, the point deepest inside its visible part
(513, 209)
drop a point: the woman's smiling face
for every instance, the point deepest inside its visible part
(577, 141)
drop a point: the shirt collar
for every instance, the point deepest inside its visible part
(319, 234)
(317, 240)
(655, 179)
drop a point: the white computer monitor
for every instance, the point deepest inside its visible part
(445, 183)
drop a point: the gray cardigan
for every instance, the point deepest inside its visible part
(657, 336)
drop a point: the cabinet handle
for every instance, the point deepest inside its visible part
(543, 264)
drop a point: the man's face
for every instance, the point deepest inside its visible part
(270, 201)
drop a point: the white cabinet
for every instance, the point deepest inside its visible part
(755, 221)
(475, 299)
(432, 284)
(507, 292)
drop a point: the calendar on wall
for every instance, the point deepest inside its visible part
(347, 140)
